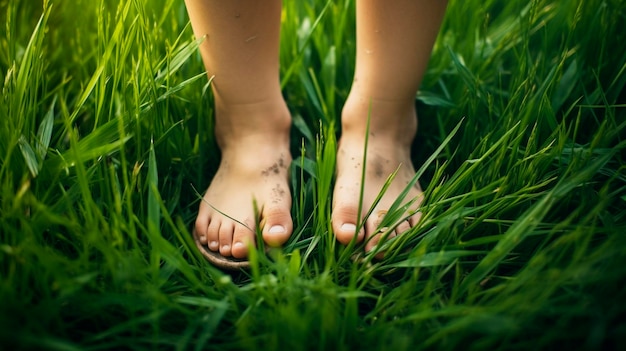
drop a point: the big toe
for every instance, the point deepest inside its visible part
(344, 225)
(277, 227)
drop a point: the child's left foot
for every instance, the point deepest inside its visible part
(388, 149)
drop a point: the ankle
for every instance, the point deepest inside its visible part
(392, 120)
(266, 123)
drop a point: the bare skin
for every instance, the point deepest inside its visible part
(240, 50)
(394, 42)
(253, 167)
(388, 150)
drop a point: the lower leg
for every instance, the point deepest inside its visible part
(240, 51)
(394, 42)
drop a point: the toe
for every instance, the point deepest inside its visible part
(226, 238)
(242, 237)
(372, 224)
(372, 242)
(344, 225)
(376, 240)
(212, 234)
(414, 219)
(403, 227)
(200, 227)
(278, 226)
(374, 232)
(214, 245)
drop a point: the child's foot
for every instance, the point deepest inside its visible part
(255, 160)
(392, 128)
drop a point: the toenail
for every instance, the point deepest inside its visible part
(276, 229)
(225, 247)
(214, 244)
(348, 227)
(237, 245)
(202, 238)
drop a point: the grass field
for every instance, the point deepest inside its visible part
(106, 143)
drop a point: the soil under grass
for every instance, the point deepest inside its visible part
(106, 143)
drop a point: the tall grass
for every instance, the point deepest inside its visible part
(106, 140)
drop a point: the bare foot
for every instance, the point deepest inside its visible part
(254, 166)
(389, 146)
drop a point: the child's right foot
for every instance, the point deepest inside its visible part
(255, 160)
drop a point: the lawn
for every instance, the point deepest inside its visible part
(106, 146)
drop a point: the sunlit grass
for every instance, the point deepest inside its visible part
(106, 139)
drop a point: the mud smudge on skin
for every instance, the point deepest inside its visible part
(281, 161)
(279, 191)
(273, 169)
(278, 194)
(378, 167)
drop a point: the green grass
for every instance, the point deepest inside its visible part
(105, 142)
